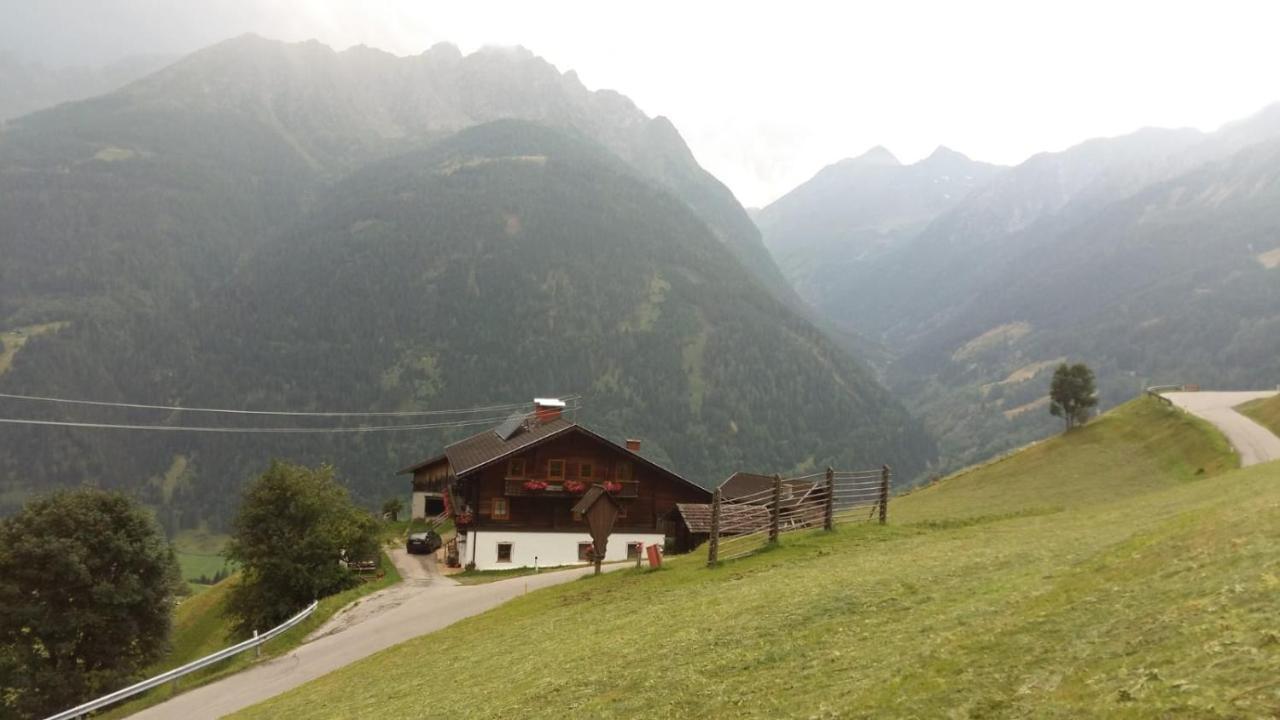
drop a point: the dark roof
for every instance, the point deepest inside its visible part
(734, 519)
(742, 484)
(595, 492)
(484, 448)
(418, 466)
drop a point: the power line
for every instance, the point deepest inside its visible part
(175, 408)
(296, 430)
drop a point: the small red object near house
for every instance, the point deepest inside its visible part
(655, 556)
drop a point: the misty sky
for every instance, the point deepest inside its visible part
(768, 94)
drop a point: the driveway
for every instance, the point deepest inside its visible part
(1253, 442)
(423, 603)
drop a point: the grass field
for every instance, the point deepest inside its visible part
(200, 555)
(1266, 412)
(1125, 570)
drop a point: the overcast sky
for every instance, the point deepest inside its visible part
(768, 94)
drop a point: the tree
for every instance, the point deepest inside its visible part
(87, 584)
(294, 528)
(393, 507)
(1072, 395)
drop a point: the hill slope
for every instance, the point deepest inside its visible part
(1265, 412)
(1098, 607)
(1152, 257)
(502, 262)
(855, 211)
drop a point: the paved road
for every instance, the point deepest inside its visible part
(425, 602)
(1255, 443)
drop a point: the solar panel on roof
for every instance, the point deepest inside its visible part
(509, 427)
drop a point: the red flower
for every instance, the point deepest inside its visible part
(576, 487)
(535, 485)
(613, 487)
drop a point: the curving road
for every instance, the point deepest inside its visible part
(1253, 442)
(423, 603)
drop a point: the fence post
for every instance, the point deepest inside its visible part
(829, 512)
(885, 472)
(776, 510)
(713, 546)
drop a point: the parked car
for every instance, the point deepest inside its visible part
(423, 542)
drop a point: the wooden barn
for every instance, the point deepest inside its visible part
(510, 491)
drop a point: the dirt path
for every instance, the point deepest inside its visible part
(424, 603)
(1253, 442)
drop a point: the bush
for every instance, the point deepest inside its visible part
(295, 527)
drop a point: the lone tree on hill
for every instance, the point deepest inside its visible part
(87, 584)
(391, 508)
(295, 527)
(1072, 395)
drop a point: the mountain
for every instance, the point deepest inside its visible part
(1149, 256)
(856, 210)
(274, 226)
(27, 87)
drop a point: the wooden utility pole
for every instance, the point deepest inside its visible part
(885, 473)
(776, 510)
(713, 545)
(829, 511)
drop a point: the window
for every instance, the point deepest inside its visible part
(585, 470)
(622, 471)
(515, 468)
(501, 511)
(504, 552)
(555, 469)
(584, 551)
(633, 550)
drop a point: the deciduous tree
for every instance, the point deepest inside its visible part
(87, 584)
(1072, 395)
(295, 527)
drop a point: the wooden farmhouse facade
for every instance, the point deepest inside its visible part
(510, 492)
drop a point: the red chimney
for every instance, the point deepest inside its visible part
(633, 445)
(547, 409)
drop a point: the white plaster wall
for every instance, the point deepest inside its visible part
(550, 548)
(417, 508)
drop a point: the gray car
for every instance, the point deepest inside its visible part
(423, 542)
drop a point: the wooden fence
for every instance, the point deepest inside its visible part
(745, 524)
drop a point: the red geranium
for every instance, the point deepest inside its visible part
(535, 485)
(611, 486)
(576, 487)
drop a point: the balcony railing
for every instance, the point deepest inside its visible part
(555, 488)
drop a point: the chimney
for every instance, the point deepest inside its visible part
(547, 409)
(633, 445)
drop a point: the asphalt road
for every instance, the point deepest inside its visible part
(423, 603)
(1253, 442)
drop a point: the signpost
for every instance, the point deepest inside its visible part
(600, 509)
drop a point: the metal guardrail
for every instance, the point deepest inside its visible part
(190, 667)
(1156, 391)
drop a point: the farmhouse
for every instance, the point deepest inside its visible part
(511, 490)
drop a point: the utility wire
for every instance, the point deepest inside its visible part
(409, 413)
(295, 430)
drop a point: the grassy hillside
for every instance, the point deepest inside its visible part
(1266, 412)
(201, 627)
(1157, 603)
(1138, 447)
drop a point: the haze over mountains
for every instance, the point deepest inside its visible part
(281, 226)
(1150, 256)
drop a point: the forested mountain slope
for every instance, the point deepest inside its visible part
(251, 228)
(855, 211)
(1150, 256)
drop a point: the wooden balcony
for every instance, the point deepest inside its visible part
(555, 488)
